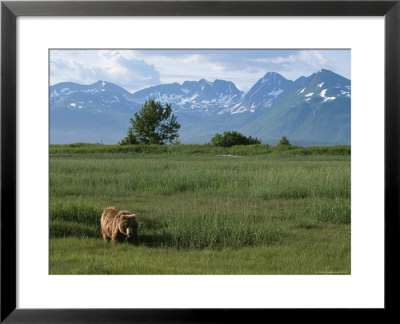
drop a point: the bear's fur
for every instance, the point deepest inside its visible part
(117, 225)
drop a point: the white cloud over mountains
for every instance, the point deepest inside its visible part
(137, 69)
(88, 66)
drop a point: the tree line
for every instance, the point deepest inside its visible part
(157, 124)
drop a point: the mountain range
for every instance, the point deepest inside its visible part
(309, 110)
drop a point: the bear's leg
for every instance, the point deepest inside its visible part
(114, 237)
(105, 237)
(135, 238)
(121, 237)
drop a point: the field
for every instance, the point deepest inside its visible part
(202, 210)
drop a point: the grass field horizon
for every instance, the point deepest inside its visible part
(252, 209)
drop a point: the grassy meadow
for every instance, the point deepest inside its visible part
(202, 209)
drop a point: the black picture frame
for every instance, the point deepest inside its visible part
(10, 10)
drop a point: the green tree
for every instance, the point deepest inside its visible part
(232, 138)
(130, 138)
(153, 124)
(284, 142)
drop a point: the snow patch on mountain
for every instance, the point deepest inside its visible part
(275, 93)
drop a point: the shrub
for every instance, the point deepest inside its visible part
(231, 138)
(284, 142)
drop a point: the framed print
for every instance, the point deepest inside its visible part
(243, 148)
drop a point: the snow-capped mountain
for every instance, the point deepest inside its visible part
(100, 96)
(264, 93)
(324, 86)
(314, 108)
(201, 96)
(317, 109)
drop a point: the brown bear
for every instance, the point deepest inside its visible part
(118, 225)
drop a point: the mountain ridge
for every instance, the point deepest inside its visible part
(308, 109)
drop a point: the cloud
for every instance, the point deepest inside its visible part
(309, 58)
(196, 58)
(243, 67)
(89, 66)
(179, 66)
(303, 62)
(137, 69)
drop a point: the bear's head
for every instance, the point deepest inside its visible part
(128, 225)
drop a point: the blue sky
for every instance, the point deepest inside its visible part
(138, 69)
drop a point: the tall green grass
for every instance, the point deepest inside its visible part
(233, 177)
(200, 203)
(203, 212)
(310, 251)
(215, 225)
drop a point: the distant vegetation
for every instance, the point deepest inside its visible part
(231, 138)
(256, 149)
(284, 142)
